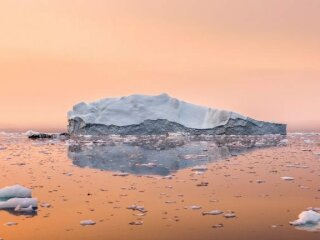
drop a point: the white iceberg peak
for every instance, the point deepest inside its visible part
(135, 109)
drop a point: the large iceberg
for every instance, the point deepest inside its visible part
(161, 114)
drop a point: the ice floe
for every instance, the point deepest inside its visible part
(213, 212)
(87, 222)
(15, 191)
(13, 203)
(18, 199)
(307, 220)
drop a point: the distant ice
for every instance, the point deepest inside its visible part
(30, 133)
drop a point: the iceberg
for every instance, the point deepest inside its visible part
(161, 114)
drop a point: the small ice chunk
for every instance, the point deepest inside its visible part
(195, 207)
(11, 224)
(121, 174)
(45, 205)
(87, 222)
(22, 202)
(24, 210)
(287, 178)
(213, 212)
(220, 225)
(30, 133)
(229, 215)
(137, 208)
(15, 191)
(136, 223)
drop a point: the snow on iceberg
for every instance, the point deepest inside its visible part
(142, 114)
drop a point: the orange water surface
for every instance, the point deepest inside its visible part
(263, 208)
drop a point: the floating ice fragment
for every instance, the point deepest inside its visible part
(30, 133)
(24, 210)
(195, 207)
(15, 191)
(45, 205)
(213, 212)
(87, 222)
(136, 223)
(121, 174)
(229, 215)
(199, 168)
(276, 225)
(11, 224)
(137, 208)
(308, 220)
(287, 178)
(12, 203)
(220, 225)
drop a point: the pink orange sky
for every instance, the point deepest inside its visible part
(258, 58)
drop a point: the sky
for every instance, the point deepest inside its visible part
(256, 57)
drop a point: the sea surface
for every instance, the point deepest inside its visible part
(171, 180)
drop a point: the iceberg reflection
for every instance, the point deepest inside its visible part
(161, 155)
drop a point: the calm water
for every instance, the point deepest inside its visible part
(79, 180)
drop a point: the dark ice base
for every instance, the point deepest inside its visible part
(161, 126)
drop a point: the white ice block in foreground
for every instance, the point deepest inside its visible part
(13, 203)
(308, 220)
(15, 191)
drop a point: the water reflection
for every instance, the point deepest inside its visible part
(161, 155)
